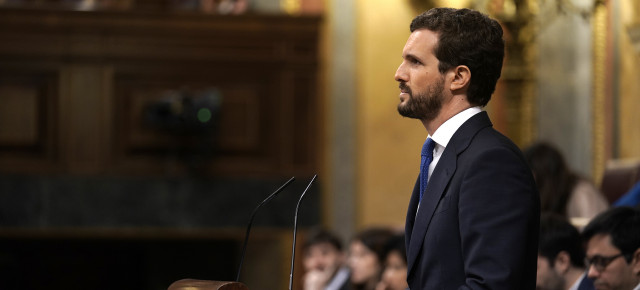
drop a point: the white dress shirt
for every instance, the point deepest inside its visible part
(443, 134)
(577, 282)
(339, 279)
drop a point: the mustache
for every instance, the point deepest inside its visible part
(403, 86)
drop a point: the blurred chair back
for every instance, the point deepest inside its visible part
(619, 177)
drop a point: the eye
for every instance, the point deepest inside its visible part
(413, 60)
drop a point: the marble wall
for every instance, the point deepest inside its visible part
(565, 83)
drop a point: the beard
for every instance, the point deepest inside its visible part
(423, 106)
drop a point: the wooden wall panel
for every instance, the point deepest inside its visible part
(107, 68)
(85, 113)
(18, 115)
(27, 119)
(240, 141)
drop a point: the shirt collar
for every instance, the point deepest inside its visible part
(339, 279)
(444, 133)
(576, 284)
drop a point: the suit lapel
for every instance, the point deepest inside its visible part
(435, 189)
(411, 213)
(417, 225)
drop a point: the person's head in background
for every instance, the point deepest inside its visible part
(323, 252)
(366, 257)
(613, 249)
(554, 179)
(394, 275)
(560, 254)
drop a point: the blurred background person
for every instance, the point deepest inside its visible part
(561, 190)
(324, 262)
(394, 275)
(613, 249)
(560, 256)
(366, 257)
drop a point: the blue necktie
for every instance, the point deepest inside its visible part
(427, 157)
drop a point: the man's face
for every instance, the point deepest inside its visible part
(547, 277)
(322, 256)
(617, 275)
(364, 263)
(421, 83)
(394, 276)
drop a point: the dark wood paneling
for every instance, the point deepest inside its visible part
(240, 141)
(95, 73)
(28, 101)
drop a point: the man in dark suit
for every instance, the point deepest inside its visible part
(473, 217)
(560, 256)
(613, 249)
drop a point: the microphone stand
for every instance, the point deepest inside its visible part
(295, 229)
(253, 214)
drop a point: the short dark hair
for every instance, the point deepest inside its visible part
(622, 224)
(554, 178)
(557, 235)
(322, 236)
(396, 244)
(375, 240)
(467, 37)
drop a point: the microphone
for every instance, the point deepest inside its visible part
(295, 229)
(246, 236)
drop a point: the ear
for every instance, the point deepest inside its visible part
(562, 262)
(635, 263)
(460, 78)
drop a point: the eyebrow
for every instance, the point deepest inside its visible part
(411, 56)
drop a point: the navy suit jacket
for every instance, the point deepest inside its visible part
(586, 284)
(478, 224)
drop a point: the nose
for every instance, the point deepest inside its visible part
(401, 74)
(320, 263)
(386, 274)
(592, 273)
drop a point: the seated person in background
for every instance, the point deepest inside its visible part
(613, 249)
(560, 256)
(631, 198)
(561, 190)
(366, 256)
(324, 262)
(394, 275)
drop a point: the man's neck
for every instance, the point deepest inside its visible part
(572, 276)
(455, 105)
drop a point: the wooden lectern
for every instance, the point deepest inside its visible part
(192, 284)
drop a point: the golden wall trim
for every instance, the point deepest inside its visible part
(529, 90)
(599, 102)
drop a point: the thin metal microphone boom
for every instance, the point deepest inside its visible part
(295, 230)
(246, 236)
